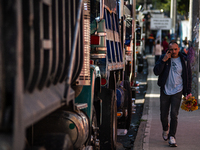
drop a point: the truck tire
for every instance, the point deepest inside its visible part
(108, 128)
(140, 62)
(128, 103)
(94, 131)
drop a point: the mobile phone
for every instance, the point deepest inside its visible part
(168, 51)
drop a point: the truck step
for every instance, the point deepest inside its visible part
(81, 106)
(122, 131)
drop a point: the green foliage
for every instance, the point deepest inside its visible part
(161, 4)
(182, 6)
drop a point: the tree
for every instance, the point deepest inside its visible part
(182, 6)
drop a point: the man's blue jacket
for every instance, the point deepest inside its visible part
(162, 68)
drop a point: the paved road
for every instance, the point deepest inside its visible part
(149, 135)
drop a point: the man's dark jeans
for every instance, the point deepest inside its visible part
(165, 102)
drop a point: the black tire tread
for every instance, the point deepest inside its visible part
(129, 102)
(106, 128)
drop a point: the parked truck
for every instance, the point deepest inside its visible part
(65, 73)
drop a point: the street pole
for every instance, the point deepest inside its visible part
(173, 17)
(134, 37)
(145, 4)
(193, 53)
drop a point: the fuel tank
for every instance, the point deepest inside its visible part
(75, 124)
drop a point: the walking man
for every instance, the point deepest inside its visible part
(165, 45)
(151, 43)
(157, 51)
(174, 79)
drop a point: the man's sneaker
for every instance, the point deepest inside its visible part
(165, 135)
(172, 141)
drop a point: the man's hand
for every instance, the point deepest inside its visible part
(167, 56)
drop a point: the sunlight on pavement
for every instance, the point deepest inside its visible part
(139, 101)
(142, 83)
(152, 79)
(149, 56)
(152, 95)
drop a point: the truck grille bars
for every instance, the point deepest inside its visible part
(84, 77)
(114, 49)
(49, 27)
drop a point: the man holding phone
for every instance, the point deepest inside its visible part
(174, 79)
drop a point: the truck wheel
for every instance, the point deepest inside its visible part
(108, 128)
(94, 131)
(140, 62)
(128, 103)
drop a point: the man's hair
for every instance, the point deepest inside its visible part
(173, 42)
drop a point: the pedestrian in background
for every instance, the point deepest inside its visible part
(165, 45)
(185, 42)
(174, 79)
(151, 42)
(157, 51)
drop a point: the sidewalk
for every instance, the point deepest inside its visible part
(149, 135)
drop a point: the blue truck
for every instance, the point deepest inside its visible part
(66, 73)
